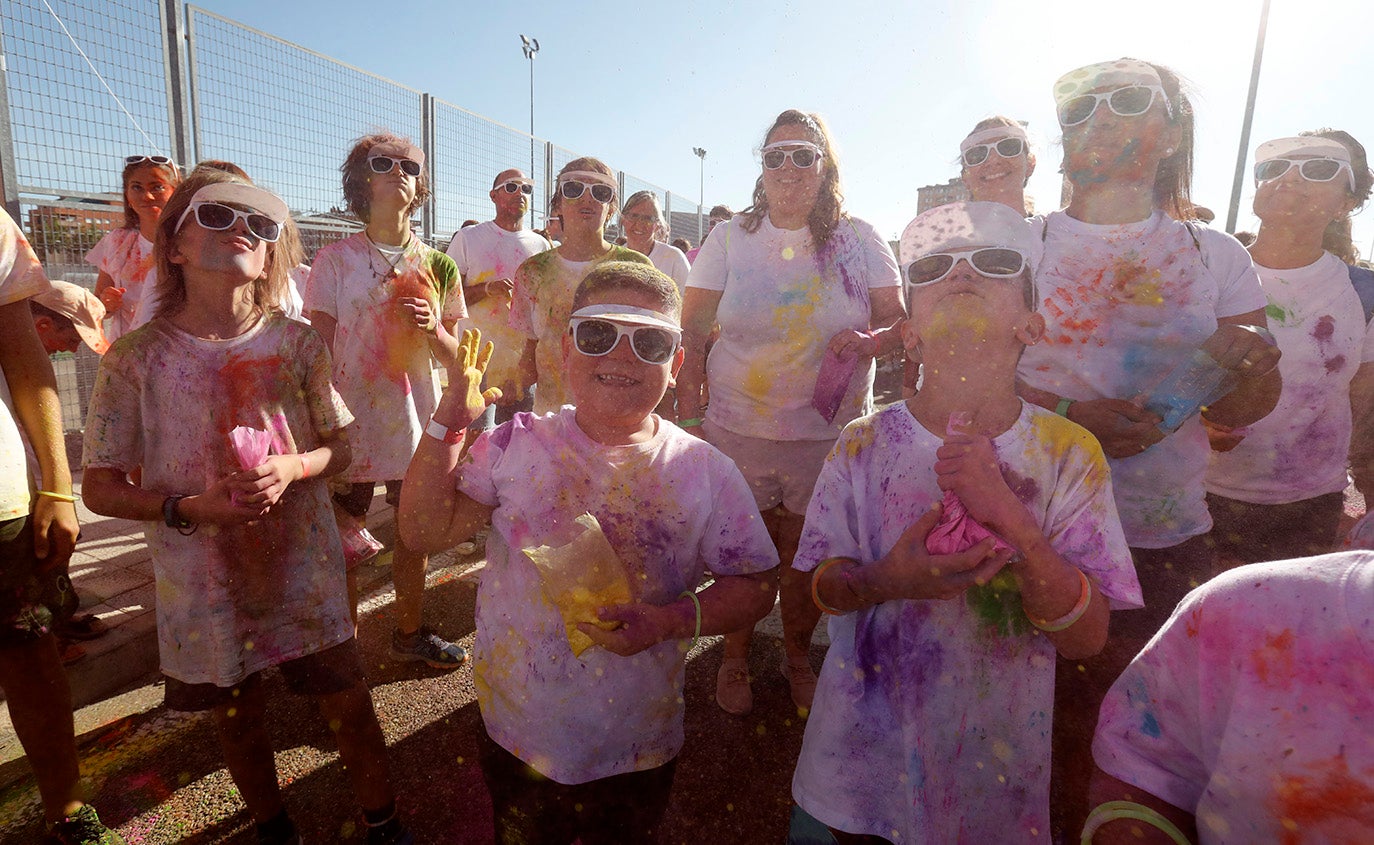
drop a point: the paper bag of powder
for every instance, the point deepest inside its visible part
(580, 577)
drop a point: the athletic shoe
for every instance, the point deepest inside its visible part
(732, 686)
(425, 646)
(802, 680)
(83, 828)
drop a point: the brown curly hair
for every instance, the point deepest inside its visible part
(1337, 238)
(826, 214)
(357, 174)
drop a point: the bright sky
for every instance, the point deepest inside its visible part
(639, 85)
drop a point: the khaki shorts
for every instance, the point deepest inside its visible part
(779, 472)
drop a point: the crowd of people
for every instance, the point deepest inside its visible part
(1078, 580)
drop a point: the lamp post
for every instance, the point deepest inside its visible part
(1245, 126)
(530, 47)
(701, 197)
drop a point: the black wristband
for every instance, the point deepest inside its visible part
(170, 515)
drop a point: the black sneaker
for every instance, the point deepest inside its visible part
(83, 828)
(425, 646)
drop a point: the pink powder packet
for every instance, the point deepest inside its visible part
(832, 382)
(251, 446)
(957, 530)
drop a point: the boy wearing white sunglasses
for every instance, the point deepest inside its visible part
(601, 728)
(932, 714)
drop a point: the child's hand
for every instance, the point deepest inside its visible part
(465, 400)
(500, 287)
(420, 312)
(849, 343)
(112, 298)
(908, 571)
(967, 464)
(263, 485)
(641, 626)
(216, 506)
(1124, 429)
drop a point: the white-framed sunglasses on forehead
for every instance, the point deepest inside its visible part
(139, 159)
(572, 189)
(995, 262)
(513, 187)
(217, 217)
(1126, 101)
(383, 164)
(1006, 148)
(803, 155)
(596, 336)
(1311, 169)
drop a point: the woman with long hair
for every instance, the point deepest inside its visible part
(645, 231)
(805, 296)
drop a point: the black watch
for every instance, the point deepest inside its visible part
(170, 514)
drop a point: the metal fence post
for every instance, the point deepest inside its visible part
(548, 178)
(174, 69)
(9, 174)
(427, 144)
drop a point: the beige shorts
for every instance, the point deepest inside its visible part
(779, 472)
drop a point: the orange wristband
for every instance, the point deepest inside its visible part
(815, 585)
(305, 468)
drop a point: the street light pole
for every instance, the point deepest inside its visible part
(530, 47)
(1244, 153)
(701, 197)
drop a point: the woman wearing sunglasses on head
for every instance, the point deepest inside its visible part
(997, 162)
(544, 284)
(645, 229)
(1275, 488)
(124, 256)
(386, 305)
(1129, 293)
(797, 287)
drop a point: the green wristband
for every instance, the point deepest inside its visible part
(696, 635)
(694, 421)
(1062, 409)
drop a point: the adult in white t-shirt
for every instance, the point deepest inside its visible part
(1248, 718)
(791, 281)
(1276, 488)
(487, 256)
(1128, 292)
(645, 229)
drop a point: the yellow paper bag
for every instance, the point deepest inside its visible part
(580, 577)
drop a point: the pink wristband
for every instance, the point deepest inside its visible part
(305, 468)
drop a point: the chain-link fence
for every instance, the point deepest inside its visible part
(85, 83)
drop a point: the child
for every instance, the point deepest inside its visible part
(932, 713)
(248, 565)
(586, 745)
(124, 256)
(386, 304)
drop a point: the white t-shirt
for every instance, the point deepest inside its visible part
(671, 262)
(931, 721)
(1123, 305)
(127, 257)
(21, 277)
(670, 508)
(382, 363)
(1301, 449)
(1253, 708)
(231, 600)
(780, 305)
(541, 308)
(482, 253)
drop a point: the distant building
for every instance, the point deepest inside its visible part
(933, 196)
(63, 233)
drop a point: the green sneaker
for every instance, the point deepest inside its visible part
(83, 828)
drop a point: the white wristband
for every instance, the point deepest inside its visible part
(443, 433)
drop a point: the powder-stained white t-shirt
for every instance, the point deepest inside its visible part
(1300, 450)
(671, 262)
(382, 362)
(780, 304)
(485, 252)
(1253, 708)
(931, 721)
(127, 257)
(21, 277)
(231, 599)
(1123, 305)
(671, 507)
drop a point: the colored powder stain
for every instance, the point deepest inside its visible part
(1274, 660)
(1149, 725)
(1335, 365)
(1324, 329)
(788, 253)
(997, 604)
(1333, 806)
(858, 439)
(1278, 314)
